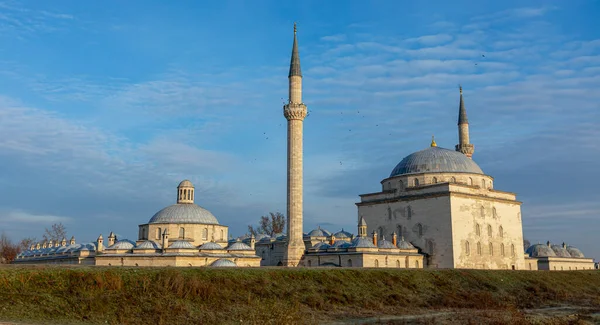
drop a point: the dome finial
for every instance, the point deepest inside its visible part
(433, 144)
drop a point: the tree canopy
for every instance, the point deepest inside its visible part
(274, 223)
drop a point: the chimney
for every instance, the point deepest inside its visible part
(375, 238)
(100, 247)
(72, 241)
(395, 239)
(332, 240)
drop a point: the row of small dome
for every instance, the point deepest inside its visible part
(364, 242)
(67, 249)
(548, 250)
(319, 232)
(126, 244)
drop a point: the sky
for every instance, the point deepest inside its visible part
(106, 106)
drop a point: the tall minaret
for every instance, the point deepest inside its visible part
(463, 130)
(295, 112)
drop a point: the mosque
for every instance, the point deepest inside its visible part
(437, 208)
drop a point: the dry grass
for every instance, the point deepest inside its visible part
(275, 295)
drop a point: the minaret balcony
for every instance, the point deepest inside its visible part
(294, 111)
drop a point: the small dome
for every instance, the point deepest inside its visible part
(363, 242)
(321, 245)
(342, 234)
(278, 235)
(436, 160)
(61, 249)
(385, 244)
(317, 233)
(123, 244)
(185, 183)
(560, 251)
(540, 250)
(182, 244)
(574, 251)
(403, 244)
(148, 244)
(261, 236)
(239, 246)
(223, 263)
(341, 244)
(184, 213)
(210, 246)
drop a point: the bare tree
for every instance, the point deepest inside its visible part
(274, 223)
(8, 250)
(26, 243)
(526, 244)
(57, 232)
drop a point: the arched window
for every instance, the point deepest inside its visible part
(398, 263)
(434, 180)
(529, 266)
(478, 248)
(350, 263)
(222, 234)
(491, 249)
(494, 213)
(416, 182)
(502, 249)
(452, 180)
(477, 230)
(205, 233)
(429, 247)
(482, 183)
(417, 264)
(158, 233)
(408, 212)
(470, 181)
(491, 184)
(399, 230)
(512, 250)
(389, 185)
(406, 265)
(380, 233)
(144, 233)
(181, 232)
(376, 263)
(420, 230)
(489, 230)
(389, 211)
(482, 211)
(467, 248)
(401, 185)
(501, 231)
(386, 261)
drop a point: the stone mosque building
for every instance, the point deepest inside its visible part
(437, 209)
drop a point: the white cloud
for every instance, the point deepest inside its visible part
(16, 216)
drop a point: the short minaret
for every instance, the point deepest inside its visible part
(463, 130)
(332, 240)
(50, 244)
(100, 241)
(252, 241)
(111, 239)
(294, 111)
(165, 240)
(63, 242)
(72, 241)
(45, 244)
(362, 227)
(185, 192)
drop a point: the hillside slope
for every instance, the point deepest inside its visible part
(77, 295)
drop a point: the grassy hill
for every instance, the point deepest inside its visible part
(75, 295)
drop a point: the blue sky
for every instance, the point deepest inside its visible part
(106, 106)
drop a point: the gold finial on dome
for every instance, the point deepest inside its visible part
(433, 144)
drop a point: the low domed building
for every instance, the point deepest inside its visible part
(182, 234)
(556, 258)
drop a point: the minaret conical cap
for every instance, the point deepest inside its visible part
(462, 112)
(295, 62)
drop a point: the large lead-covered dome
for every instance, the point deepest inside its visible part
(184, 213)
(436, 160)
